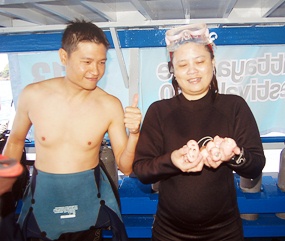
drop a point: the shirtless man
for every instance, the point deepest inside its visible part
(71, 115)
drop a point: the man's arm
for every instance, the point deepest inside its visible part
(124, 146)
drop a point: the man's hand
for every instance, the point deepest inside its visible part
(133, 116)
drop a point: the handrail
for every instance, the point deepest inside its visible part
(273, 139)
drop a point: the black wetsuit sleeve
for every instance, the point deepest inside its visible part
(151, 163)
(247, 137)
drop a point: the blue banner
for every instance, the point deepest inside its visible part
(257, 73)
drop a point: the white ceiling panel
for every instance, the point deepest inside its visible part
(46, 15)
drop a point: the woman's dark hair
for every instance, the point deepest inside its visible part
(214, 83)
(79, 31)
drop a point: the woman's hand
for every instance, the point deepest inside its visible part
(188, 158)
(220, 150)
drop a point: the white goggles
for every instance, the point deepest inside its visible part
(198, 33)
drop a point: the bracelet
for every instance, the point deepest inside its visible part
(238, 159)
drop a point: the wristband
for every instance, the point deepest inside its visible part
(238, 159)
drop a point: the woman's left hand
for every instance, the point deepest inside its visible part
(220, 150)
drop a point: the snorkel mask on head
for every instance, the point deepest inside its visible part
(197, 33)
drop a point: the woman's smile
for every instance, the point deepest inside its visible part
(194, 80)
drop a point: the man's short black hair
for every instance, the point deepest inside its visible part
(80, 31)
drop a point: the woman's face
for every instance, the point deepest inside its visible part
(193, 69)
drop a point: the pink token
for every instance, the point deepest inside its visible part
(193, 150)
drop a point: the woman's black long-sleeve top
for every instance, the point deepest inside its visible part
(203, 198)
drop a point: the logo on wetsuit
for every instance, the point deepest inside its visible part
(68, 211)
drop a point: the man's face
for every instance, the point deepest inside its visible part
(86, 65)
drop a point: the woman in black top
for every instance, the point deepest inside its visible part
(182, 145)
